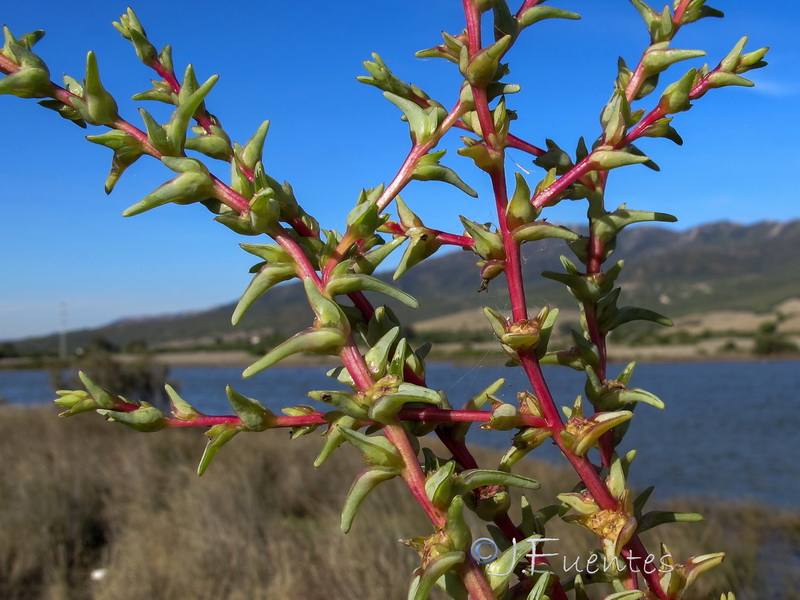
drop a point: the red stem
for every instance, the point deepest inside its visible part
(8, 66)
(403, 175)
(427, 415)
(676, 17)
(448, 239)
(201, 115)
(355, 365)
(413, 474)
(513, 141)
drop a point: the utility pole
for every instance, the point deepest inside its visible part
(62, 333)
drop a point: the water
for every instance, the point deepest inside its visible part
(729, 429)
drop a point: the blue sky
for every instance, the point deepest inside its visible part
(64, 242)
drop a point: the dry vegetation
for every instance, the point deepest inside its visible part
(81, 495)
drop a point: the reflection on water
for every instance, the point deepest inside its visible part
(729, 429)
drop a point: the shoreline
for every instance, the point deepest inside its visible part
(241, 358)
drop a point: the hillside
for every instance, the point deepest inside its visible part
(716, 267)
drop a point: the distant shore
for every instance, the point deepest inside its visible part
(447, 353)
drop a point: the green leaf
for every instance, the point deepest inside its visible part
(64, 110)
(656, 518)
(429, 169)
(554, 158)
(615, 118)
(546, 330)
(540, 230)
(186, 188)
(252, 152)
(662, 128)
(155, 132)
(267, 277)
(180, 408)
(363, 219)
(160, 92)
(101, 396)
(473, 478)
(697, 10)
(346, 284)
(675, 98)
(218, 436)
(146, 418)
(520, 211)
(488, 244)
(540, 13)
(439, 484)
(377, 357)
(718, 79)
(423, 583)
(609, 225)
(254, 415)
(598, 424)
(333, 436)
(366, 481)
(344, 401)
(660, 57)
(659, 26)
(383, 78)
(328, 312)
(29, 82)
(366, 263)
(499, 571)
(419, 121)
(127, 150)
(752, 60)
(273, 253)
(504, 417)
(423, 244)
(178, 124)
(604, 159)
(386, 407)
(215, 143)
(483, 67)
(101, 108)
(629, 396)
(132, 30)
(324, 340)
(376, 449)
(539, 590)
(504, 21)
(456, 526)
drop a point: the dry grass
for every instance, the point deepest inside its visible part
(80, 495)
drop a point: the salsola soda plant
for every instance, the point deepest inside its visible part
(379, 401)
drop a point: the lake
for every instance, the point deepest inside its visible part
(729, 430)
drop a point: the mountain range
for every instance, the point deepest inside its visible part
(719, 266)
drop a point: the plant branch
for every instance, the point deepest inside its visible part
(412, 473)
(201, 115)
(405, 173)
(513, 141)
(447, 239)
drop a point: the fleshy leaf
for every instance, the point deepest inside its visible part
(324, 340)
(268, 276)
(218, 436)
(366, 481)
(346, 284)
(254, 415)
